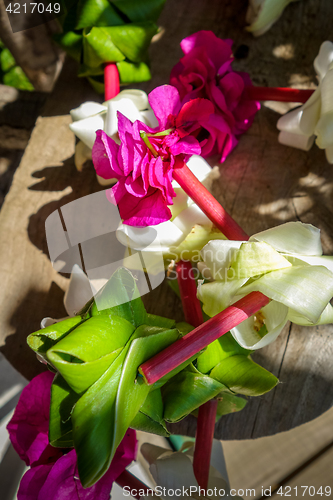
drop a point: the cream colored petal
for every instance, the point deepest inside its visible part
(156, 238)
(199, 167)
(105, 182)
(302, 120)
(324, 128)
(189, 217)
(329, 154)
(293, 238)
(218, 295)
(275, 316)
(297, 141)
(264, 14)
(138, 97)
(148, 117)
(323, 59)
(86, 129)
(86, 110)
(125, 106)
(325, 318)
(218, 255)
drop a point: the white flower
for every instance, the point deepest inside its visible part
(284, 263)
(189, 229)
(300, 127)
(262, 14)
(174, 471)
(92, 116)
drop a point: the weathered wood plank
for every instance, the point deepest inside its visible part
(262, 184)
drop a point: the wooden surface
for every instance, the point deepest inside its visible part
(262, 184)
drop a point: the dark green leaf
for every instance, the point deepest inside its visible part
(96, 13)
(63, 399)
(187, 391)
(218, 350)
(133, 72)
(71, 42)
(242, 375)
(143, 423)
(142, 10)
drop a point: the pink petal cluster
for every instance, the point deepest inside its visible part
(53, 474)
(205, 71)
(144, 172)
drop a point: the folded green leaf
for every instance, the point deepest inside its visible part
(150, 416)
(63, 399)
(143, 10)
(218, 350)
(243, 376)
(42, 340)
(133, 72)
(187, 391)
(96, 13)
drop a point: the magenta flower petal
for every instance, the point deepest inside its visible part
(165, 101)
(29, 426)
(217, 50)
(148, 211)
(194, 110)
(188, 146)
(105, 156)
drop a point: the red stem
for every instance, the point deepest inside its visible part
(208, 204)
(188, 293)
(204, 442)
(193, 342)
(277, 94)
(111, 81)
(126, 478)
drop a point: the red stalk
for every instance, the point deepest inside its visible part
(193, 342)
(111, 81)
(277, 94)
(188, 293)
(126, 478)
(208, 204)
(204, 442)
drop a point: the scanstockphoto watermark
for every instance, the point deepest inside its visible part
(192, 491)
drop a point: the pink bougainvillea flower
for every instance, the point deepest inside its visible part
(144, 161)
(205, 71)
(53, 474)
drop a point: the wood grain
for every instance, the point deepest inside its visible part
(262, 184)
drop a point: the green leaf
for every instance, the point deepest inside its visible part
(140, 11)
(132, 40)
(143, 423)
(42, 340)
(187, 391)
(120, 297)
(98, 47)
(132, 390)
(93, 422)
(16, 77)
(227, 403)
(71, 42)
(96, 13)
(133, 72)
(218, 350)
(150, 416)
(242, 375)
(154, 320)
(7, 61)
(88, 351)
(63, 399)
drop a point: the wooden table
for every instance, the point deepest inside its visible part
(262, 184)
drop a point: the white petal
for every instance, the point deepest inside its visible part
(86, 129)
(218, 295)
(138, 97)
(48, 322)
(306, 289)
(329, 154)
(324, 128)
(269, 13)
(322, 260)
(148, 117)
(199, 167)
(323, 59)
(297, 141)
(79, 291)
(87, 109)
(218, 255)
(173, 471)
(276, 316)
(126, 107)
(293, 238)
(189, 217)
(303, 120)
(325, 318)
(157, 238)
